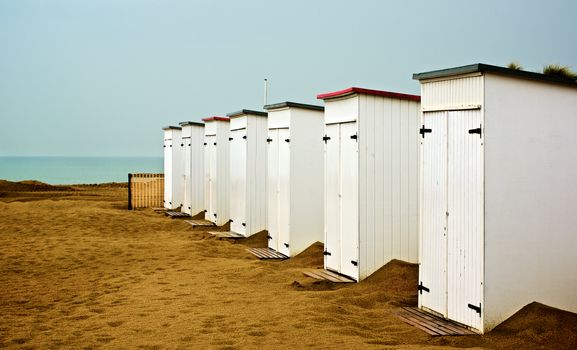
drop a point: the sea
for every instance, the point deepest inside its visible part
(76, 170)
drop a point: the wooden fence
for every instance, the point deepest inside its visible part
(145, 191)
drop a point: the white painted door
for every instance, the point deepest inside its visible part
(284, 191)
(465, 218)
(273, 188)
(332, 199)
(433, 224)
(168, 174)
(187, 186)
(238, 181)
(207, 141)
(210, 168)
(349, 199)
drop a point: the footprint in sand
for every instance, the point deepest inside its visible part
(115, 324)
(257, 333)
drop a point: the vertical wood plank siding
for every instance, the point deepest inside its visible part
(146, 190)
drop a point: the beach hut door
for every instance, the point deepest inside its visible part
(186, 161)
(284, 191)
(341, 199)
(465, 217)
(433, 249)
(273, 190)
(332, 251)
(210, 168)
(168, 174)
(349, 199)
(207, 141)
(238, 200)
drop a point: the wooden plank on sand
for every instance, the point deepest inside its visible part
(267, 253)
(199, 223)
(328, 276)
(431, 324)
(226, 234)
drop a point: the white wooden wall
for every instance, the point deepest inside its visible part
(173, 170)
(461, 92)
(388, 134)
(306, 179)
(530, 196)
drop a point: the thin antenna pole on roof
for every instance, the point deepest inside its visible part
(265, 91)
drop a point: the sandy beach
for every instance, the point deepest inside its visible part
(80, 271)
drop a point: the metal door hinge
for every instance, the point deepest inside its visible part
(244, 224)
(189, 144)
(476, 131)
(354, 263)
(286, 245)
(325, 253)
(268, 140)
(424, 131)
(205, 143)
(476, 308)
(164, 146)
(170, 145)
(182, 145)
(230, 139)
(287, 140)
(326, 138)
(422, 288)
(354, 137)
(214, 214)
(244, 137)
(188, 207)
(214, 143)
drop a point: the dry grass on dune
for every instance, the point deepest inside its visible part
(81, 272)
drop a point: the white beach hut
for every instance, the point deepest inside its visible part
(295, 176)
(173, 176)
(248, 134)
(371, 180)
(193, 167)
(498, 193)
(216, 170)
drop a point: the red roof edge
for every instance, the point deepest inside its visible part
(358, 90)
(222, 119)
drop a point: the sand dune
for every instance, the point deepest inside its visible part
(77, 270)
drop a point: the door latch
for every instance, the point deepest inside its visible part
(422, 288)
(424, 131)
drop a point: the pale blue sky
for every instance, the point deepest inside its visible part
(102, 77)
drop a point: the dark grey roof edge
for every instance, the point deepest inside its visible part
(171, 127)
(295, 105)
(191, 123)
(247, 111)
(481, 67)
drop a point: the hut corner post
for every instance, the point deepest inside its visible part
(129, 192)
